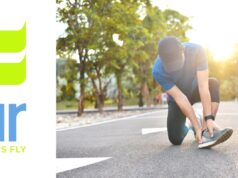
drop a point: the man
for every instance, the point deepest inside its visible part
(182, 71)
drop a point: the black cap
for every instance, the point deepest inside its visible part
(171, 53)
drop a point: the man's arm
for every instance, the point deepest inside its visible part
(186, 108)
(204, 92)
(205, 96)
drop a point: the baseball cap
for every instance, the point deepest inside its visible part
(171, 54)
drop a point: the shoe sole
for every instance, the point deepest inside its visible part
(222, 139)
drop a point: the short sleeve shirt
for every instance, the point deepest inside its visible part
(185, 78)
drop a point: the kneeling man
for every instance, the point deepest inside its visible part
(182, 71)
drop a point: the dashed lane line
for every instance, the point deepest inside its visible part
(66, 164)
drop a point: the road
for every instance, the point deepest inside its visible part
(119, 149)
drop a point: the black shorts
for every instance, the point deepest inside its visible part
(214, 92)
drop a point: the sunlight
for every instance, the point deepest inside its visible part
(214, 28)
(222, 51)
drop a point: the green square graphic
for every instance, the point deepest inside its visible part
(13, 42)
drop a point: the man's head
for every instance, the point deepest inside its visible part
(171, 52)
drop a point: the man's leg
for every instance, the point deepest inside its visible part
(176, 126)
(214, 88)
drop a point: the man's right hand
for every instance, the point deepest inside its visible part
(199, 135)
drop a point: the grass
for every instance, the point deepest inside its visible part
(64, 105)
(73, 104)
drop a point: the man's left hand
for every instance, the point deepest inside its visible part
(212, 125)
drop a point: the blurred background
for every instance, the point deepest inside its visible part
(106, 49)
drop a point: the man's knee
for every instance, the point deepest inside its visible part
(213, 83)
(214, 89)
(175, 139)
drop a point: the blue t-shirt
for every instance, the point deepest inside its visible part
(185, 78)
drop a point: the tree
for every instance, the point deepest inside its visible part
(176, 24)
(99, 80)
(81, 32)
(154, 25)
(123, 21)
(67, 71)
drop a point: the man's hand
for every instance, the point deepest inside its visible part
(199, 135)
(211, 125)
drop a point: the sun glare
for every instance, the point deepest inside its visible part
(221, 51)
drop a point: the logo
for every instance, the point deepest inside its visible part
(12, 72)
(14, 42)
(14, 110)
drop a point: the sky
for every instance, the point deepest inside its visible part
(214, 22)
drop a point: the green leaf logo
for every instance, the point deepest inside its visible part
(13, 42)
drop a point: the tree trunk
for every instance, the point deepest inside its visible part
(82, 84)
(120, 95)
(100, 96)
(144, 86)
(98, 104)
(145, 93)
(81, 100)
(140, 102)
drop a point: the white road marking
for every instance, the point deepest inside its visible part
(66, 164)
(153, 130)
(114, 120)
(132, 117)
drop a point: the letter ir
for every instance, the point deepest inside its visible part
(14, 110)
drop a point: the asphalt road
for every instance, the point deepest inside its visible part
(133, 154)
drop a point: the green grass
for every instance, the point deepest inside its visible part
(68, 105)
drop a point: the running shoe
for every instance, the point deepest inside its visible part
(219, 136)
